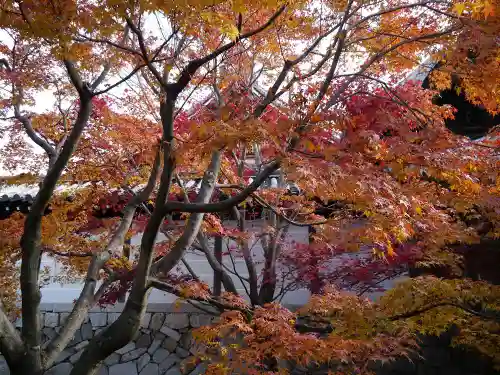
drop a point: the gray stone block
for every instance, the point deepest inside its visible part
(177, 321)
(60, 369)
(167, 331)
(182, 353)
(159, 336)
(4, 368)
(63, 317)
(51, 320)
(144, 341)
(98, 320)
(81, 345)
(174, 371)
(170, 344)
(145, 320)
(86, 331)
(133, 354)
(49, 332)
(150, 369)
(113, 359)
(199, 320)
(76, 339)
(143, 361)
(64, 355)
(103, 371)
(186, 340)
(57, 307)
(128, 368)
(168, 362)
(155, 345)
(113, 317)
(160, 354)
(127, 348)
(156, 321)
(75, 357)
(200, 369)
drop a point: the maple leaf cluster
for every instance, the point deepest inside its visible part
(245, 98)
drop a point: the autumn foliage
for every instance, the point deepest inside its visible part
(132, 101)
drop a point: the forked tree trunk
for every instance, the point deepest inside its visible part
(25, 365)
(117, 335)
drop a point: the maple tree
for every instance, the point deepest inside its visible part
(130, 126)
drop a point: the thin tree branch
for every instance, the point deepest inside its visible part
(194, 222)
(228, 203)
(107, 65)
(488, 315)
(11, 344)
(193, 66)
(166, 287)
(87, 297)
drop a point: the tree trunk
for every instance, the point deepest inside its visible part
(25, 366)
(117, 335)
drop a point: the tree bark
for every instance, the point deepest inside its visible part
(194, 222)
(126, 326)
(11, 345)
(218, 273)
(30, 240)
(87, 299)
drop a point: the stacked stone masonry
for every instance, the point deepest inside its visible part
(163, 345)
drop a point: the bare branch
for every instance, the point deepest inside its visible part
(226, 204)
(107, 65)
(161, 285)
(144, 52)
(487, 314)
(247, 256)
(122, 80)
(190, 269)
(194, 222)
(227, 281)
(379, 55)
(193, 66)
(11, 345)
(26, 122)
(75, 78)
(87, 298)
(106, 41)
(70, 254)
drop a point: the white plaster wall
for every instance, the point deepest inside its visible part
(68, 292)
(55, 292)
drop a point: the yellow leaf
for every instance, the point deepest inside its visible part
(238, 6)
(459, 8)
(231, 31)
(390, 249)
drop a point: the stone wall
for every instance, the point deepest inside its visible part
(162, 346)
